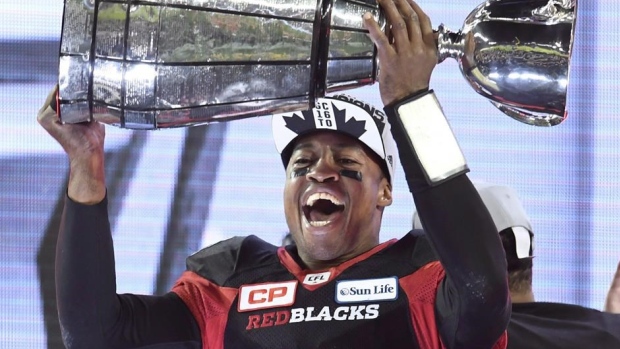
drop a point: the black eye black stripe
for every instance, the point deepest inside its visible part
(300, 172)
(351, 174)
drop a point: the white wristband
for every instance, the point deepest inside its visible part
(432, 138)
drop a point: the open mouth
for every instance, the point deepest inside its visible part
(321, 209)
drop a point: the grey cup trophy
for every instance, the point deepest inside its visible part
(152, 64)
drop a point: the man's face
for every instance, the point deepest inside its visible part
(334, 215)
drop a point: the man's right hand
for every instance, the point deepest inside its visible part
(83, 144)
(612, 305)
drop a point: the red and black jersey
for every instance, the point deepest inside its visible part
(246, 293)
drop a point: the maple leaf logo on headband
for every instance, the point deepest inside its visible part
(300, 125)
(352, 127)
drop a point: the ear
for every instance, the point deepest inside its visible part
(385, 193)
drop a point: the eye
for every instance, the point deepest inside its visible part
(301, 161)
(347, 161)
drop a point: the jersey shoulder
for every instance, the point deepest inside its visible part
(415, 248)
(224, 261)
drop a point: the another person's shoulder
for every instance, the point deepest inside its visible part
(549, 308)
(551, 311)
(559, 325)
(221, 261)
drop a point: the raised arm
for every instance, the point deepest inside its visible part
(472, 306)
(91, 314)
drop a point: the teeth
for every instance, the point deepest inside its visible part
(325, 196)
(319, 223)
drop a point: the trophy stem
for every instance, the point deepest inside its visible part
(449, 44)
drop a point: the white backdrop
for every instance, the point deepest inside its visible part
(566, 175)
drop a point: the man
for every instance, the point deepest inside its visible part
(337, 287)
(534, 324)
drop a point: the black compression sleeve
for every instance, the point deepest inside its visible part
(473, 306)
(91, 314)
(472, 303)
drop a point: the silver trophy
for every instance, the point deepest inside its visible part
(152, 64)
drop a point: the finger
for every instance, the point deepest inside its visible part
(616, 280)
(411, 20)
(397, 24)
(51, 97)
(426, 27)
(376, 34)
(47, 116)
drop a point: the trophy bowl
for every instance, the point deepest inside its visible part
(517, 54)
(151, 64)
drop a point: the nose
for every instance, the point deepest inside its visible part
(324, 170)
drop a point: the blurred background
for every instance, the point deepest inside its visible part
(177, 190)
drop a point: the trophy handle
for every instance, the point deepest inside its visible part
(526, 117)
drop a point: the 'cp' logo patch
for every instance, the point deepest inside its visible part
(269, 295)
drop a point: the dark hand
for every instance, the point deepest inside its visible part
(83, 143)
(407, 61)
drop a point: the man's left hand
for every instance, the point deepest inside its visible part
(407, 54)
